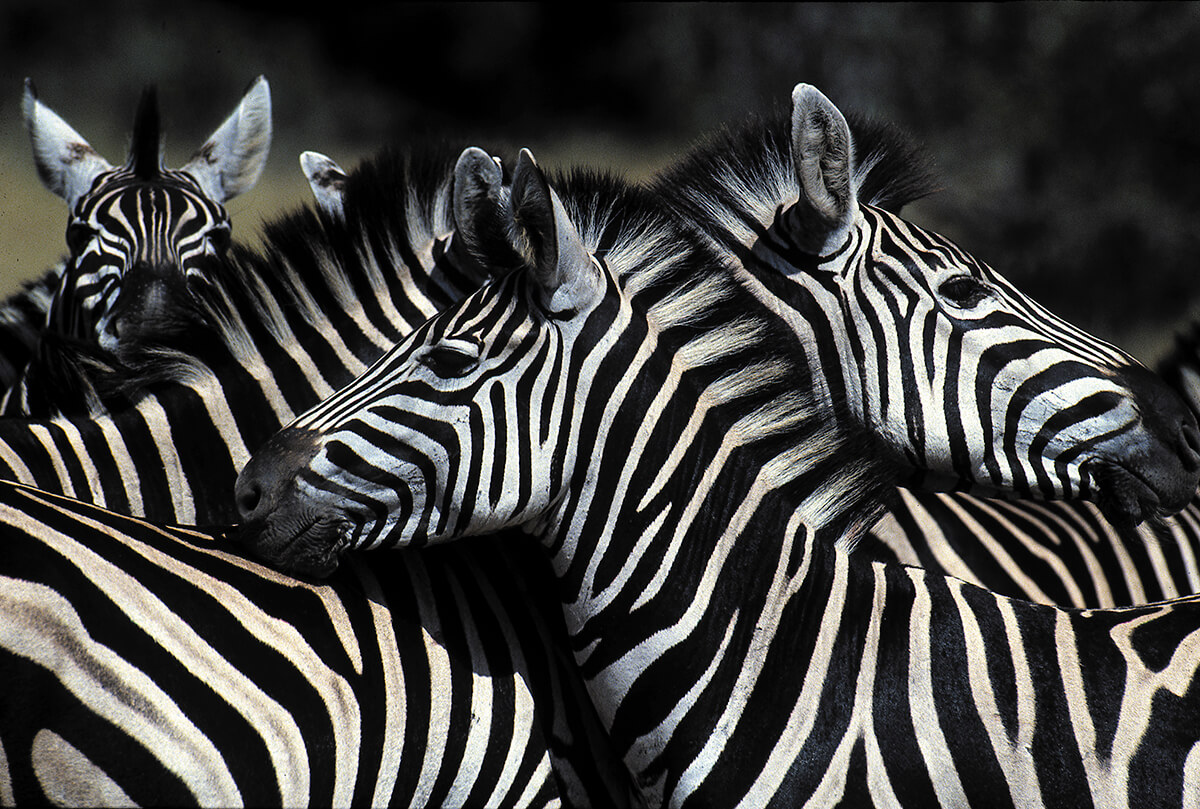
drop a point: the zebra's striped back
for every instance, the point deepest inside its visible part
(158, 668)
(641, 415)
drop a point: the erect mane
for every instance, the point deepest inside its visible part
(719, 337)
(737, 179)
(145, 147)
(317, 268)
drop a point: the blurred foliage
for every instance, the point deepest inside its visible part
(1065, 132)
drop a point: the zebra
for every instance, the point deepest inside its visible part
(275, 331)
(639, 415)
(148, 665)
(139, 235)
(1065, 553)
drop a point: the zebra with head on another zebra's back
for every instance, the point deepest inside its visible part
(653, 424)
(139, 235)
(471, 677)
(1064, 553)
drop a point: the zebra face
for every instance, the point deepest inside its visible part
(969, 381)
(141, 235)
(136, 249)
(457, 431)
(966, 381)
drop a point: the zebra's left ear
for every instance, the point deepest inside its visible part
(327, 181)
(823, 156)
(233, 157)
(569, 279)
(66, 163)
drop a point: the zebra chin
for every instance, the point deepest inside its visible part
(299, 541)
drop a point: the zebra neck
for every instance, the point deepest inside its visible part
(676, 563)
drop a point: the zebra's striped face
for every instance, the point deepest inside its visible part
(135, 248)
(457, 431)
(140, 234)
(970, 381)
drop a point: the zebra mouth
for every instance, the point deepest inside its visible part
(306, 544)
(1124, 498)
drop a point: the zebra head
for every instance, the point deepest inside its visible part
(404, 470)
(967, 381)
(140, 233)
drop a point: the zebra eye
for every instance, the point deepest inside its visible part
(963, 291)
(78, 236)
(451, 359)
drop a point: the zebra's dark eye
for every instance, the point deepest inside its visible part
(451, 359)
(78, 236)
(963, 291)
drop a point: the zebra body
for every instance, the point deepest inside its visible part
(275, 332)
(625, 400)
(170, 671)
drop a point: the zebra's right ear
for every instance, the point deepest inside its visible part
(823, 157)
(327, 181)
(233, 157)
(66, 163)
(482, 214)
(569, 278)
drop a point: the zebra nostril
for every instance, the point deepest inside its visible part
(248, 497)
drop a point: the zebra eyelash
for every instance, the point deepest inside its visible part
(964, 291)
(451, 357)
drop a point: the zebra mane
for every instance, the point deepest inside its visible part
(736, 180)
(145, 148)
(720, 335)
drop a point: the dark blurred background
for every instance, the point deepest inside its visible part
(1066, 133)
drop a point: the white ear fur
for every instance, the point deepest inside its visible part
(66, 163)
(823, 154)
(569, 278)
(232, 159)
(327, 181)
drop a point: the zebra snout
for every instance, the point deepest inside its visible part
(265, 481)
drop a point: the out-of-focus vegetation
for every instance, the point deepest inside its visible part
(1066, 134)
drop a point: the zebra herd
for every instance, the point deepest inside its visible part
(665, 418)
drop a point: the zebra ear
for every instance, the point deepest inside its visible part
(327, 181)
(481, 212)
(66, 163)
(233, 157)
(569, 279)
(823, 156)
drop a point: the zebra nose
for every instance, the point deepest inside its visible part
(265, 481)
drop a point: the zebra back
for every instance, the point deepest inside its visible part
(160, 669)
